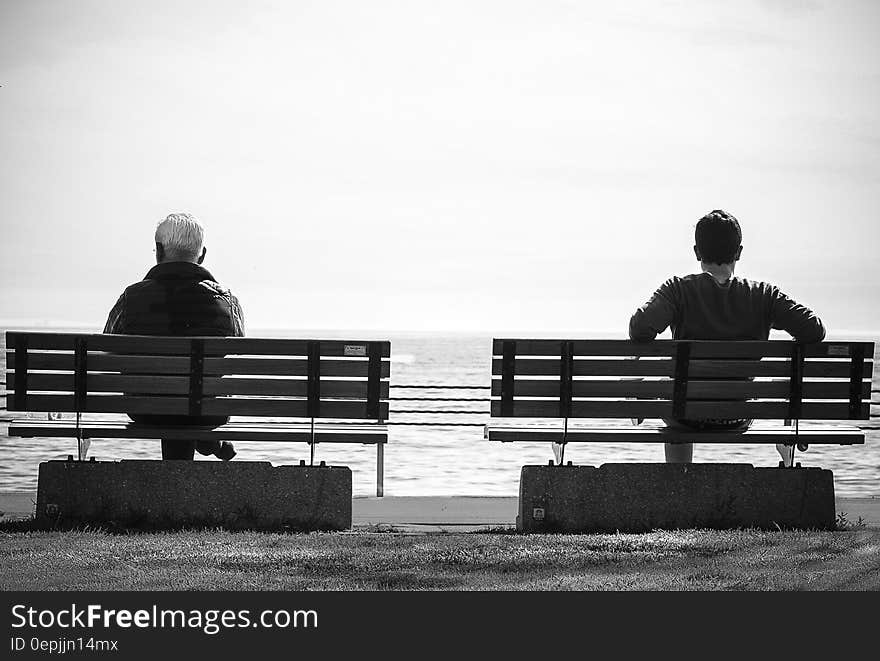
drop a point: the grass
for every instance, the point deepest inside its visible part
(843, 522)
(220, 560)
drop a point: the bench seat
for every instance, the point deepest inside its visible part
(274, 389)
(570, 391)
(649, 433)
(234, 431)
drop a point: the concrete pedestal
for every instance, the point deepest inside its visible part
(644, 497)
(177, 494)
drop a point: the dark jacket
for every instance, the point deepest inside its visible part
(698, 307)
(176, 298)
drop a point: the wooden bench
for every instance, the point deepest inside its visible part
(287, 390)
(555, 381)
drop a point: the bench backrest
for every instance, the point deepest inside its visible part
(85, 373)
(681, 379)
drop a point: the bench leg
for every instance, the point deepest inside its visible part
(82, 444)
(787, 454)
(380, 469)
(678, 453)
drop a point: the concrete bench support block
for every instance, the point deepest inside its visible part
(644, 497)
(175, 494)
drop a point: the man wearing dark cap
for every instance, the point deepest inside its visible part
(716, 305)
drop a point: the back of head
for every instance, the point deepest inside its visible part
(181, 238)
(718, 237)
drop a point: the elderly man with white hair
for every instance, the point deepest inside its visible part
(179, 296)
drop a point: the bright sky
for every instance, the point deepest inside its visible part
(456, 165)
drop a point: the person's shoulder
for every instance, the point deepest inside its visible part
(757, 286)
(138, 287)
(673, 284)
(216, 289)
(679, 282)
(691, 278)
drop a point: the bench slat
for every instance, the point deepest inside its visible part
(104, 404)
(659, 434)
(696, 389)
(701, 349)
(105, 362)
(693, 409)
(166, 405)
(234, 431)
(289, 367)
(179, 385)
(697, 368)
(213, 346)
(288, 387)
(138, 344)
(289, 408)
(150, 384)
(129, 364)
(288, 347)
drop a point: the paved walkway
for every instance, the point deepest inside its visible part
(434, 513)
(439, 513)
(17, 504)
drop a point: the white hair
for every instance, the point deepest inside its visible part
(181, 236)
